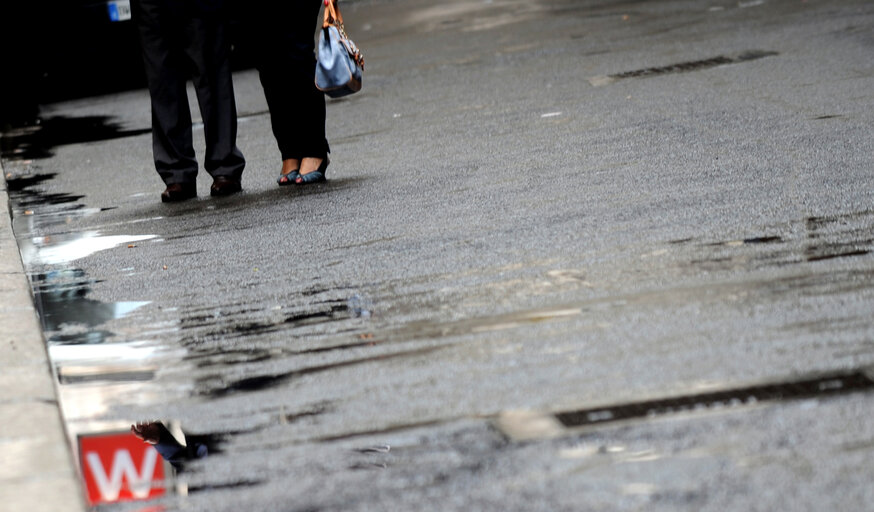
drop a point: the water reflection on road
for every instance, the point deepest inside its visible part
(96, 368)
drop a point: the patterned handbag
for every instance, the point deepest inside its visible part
(340, 63)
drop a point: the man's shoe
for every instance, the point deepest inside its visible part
(179, 192)
(224, 186)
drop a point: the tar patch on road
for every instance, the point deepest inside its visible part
(682, 67)
(522, 425)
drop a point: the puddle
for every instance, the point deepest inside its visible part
(514, 320)
(79, 349)
(310, 314)
(60, 292)
(81, 346)
(223, 323)
(838, 236)
(67, 248)
(97, 370)
(144, 462)
(25, 198)
(39, 141)
(66, 312)
(36, 212)
(359, 306)
(21, 182)
(217, 386)
(749, 241)
(176, 448)
(812, 239)
(313, 411)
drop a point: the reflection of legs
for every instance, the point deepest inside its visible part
(171, 118)
(287, 70)
(209, 49)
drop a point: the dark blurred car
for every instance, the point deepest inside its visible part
(61, 49)
(55, 50)
(95, 49)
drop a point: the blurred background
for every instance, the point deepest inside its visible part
(56, 50)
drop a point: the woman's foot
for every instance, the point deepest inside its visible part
(312, 170)
(290, 171)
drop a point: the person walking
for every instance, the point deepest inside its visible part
(283, 38)
(182, 39)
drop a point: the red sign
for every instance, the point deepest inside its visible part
(119, 467)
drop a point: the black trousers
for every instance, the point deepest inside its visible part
(282, 36)
(182, 39)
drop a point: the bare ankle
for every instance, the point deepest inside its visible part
(310, 164)
(290, 164)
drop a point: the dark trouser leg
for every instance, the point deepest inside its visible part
(171, 119)
(209, 50)
(285, 45)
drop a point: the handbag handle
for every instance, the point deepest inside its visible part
(332, 15)
(334, 18)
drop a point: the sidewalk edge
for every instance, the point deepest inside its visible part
(39, 473)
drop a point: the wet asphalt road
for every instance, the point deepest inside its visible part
(538, 206)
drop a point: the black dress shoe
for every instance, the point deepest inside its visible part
(224, 186)
(178, 192)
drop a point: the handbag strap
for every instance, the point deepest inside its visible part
(333, 16)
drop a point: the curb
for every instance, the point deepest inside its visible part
(38, 473)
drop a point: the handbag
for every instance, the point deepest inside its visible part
(339, 63)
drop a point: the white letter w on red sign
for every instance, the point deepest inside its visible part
(123, 469)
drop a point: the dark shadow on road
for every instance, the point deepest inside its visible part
(246, 200)
(40, 140)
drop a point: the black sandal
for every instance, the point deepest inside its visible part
(287, 179)
(316, 176)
